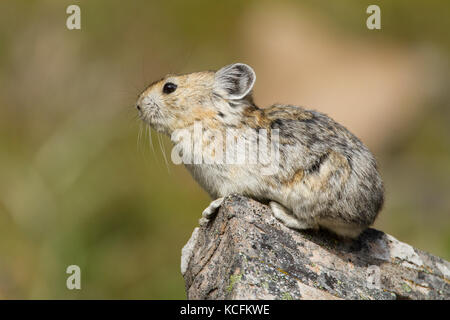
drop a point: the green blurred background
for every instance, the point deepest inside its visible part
(77, 186)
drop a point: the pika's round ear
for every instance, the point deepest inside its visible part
(234, 81)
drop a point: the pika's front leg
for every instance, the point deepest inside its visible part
(211, 211)
(288, 219)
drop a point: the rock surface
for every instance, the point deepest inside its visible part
(245, 253)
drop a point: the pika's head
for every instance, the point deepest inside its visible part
(214, 98)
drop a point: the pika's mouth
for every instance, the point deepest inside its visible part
(150, 113)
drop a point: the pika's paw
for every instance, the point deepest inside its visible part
(288, 219)
(210, 211)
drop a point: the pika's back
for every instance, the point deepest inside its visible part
(331, 160)
(312, 129)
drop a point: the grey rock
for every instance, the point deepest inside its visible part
(245, 253)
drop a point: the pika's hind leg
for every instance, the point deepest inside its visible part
(343, 229)
(211, 210)
(286, 217)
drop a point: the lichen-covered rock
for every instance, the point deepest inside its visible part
(245, 253)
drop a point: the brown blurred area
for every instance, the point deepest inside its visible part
(80, 183)
(356, 80)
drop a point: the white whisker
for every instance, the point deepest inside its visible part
(139, 138)
(163, 151)
(149, 132)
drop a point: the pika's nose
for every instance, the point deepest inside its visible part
(138, 107)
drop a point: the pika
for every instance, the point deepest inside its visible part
(326, 177)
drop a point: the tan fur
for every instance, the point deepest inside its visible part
(296, 179)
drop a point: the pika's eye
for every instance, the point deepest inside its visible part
(169, 87)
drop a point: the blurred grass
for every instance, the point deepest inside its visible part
(76, 187)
